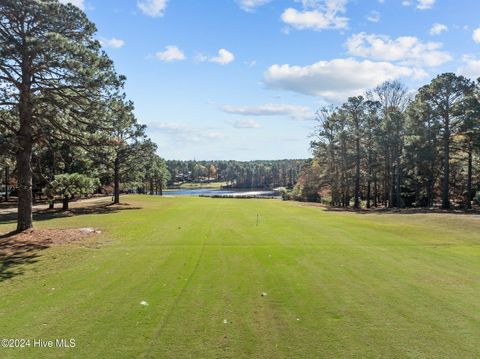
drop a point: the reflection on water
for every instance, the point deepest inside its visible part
(221, 192)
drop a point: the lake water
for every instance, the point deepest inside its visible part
(221, 192)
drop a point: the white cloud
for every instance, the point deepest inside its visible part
(317, 15)
(251, 5)
(404, 49)
(224, 57)
(294, 112)
(374, 16)
(425, 4)
(470, 67)
(245, 123)
(214, 135)
(186, 134)
(112, 43)
(476, 35)
(170, 54)
(199, 57)
(154, 8)
(78, 3)
(170, 127)
(437, 29)
(336, 79)
(421, 4)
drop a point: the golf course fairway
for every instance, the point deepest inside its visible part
(199, 278)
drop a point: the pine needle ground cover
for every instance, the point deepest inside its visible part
(198, 278)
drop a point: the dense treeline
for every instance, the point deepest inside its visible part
(253, 174)
(66, 128)
(394, 150)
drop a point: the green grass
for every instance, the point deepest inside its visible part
(339, 285)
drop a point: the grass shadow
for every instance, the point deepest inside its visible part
(14, 255)
(8, 205)
(20, 249)
(48, 214)
(404, 211)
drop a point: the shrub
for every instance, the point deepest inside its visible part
(70, 185)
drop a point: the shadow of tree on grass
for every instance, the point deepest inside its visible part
(15, 255)
(404, 211)
(17, 250)
(45, 215)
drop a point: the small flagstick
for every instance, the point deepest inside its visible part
(257, 219)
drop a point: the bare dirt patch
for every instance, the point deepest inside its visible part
(19, 249)
(44, 238)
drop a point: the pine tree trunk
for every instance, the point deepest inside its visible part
(65, 203)
(446, 167)
(369, 193)
(431, 183)
(386, 182)
(417, 185)
(116, 181)
(469, 176)
(24, 168)
(24, 219)
(357, 173)
(25, 144)
(6, 183)
(391, 188)
(397, 184)
(369, 181)
(151, 187)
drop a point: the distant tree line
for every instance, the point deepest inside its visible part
(392, 149)
(252, 174)
(66, 128)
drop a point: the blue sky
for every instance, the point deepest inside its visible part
(241, 79)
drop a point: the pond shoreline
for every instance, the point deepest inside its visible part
(225, 193)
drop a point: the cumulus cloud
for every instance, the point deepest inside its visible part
(251, 5)
(425, 4)
(336, 79)
(78, 3)
(245, 123)
(470, 67)
(154, 8)
(170, 54)
(374, 16)
(172, 127)
(317, 15)
(421, 4)
(294, 112)
(224, 57)
(437, 29)
(182, 133)
(476, 35)
(404, 49)
(112, 43)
